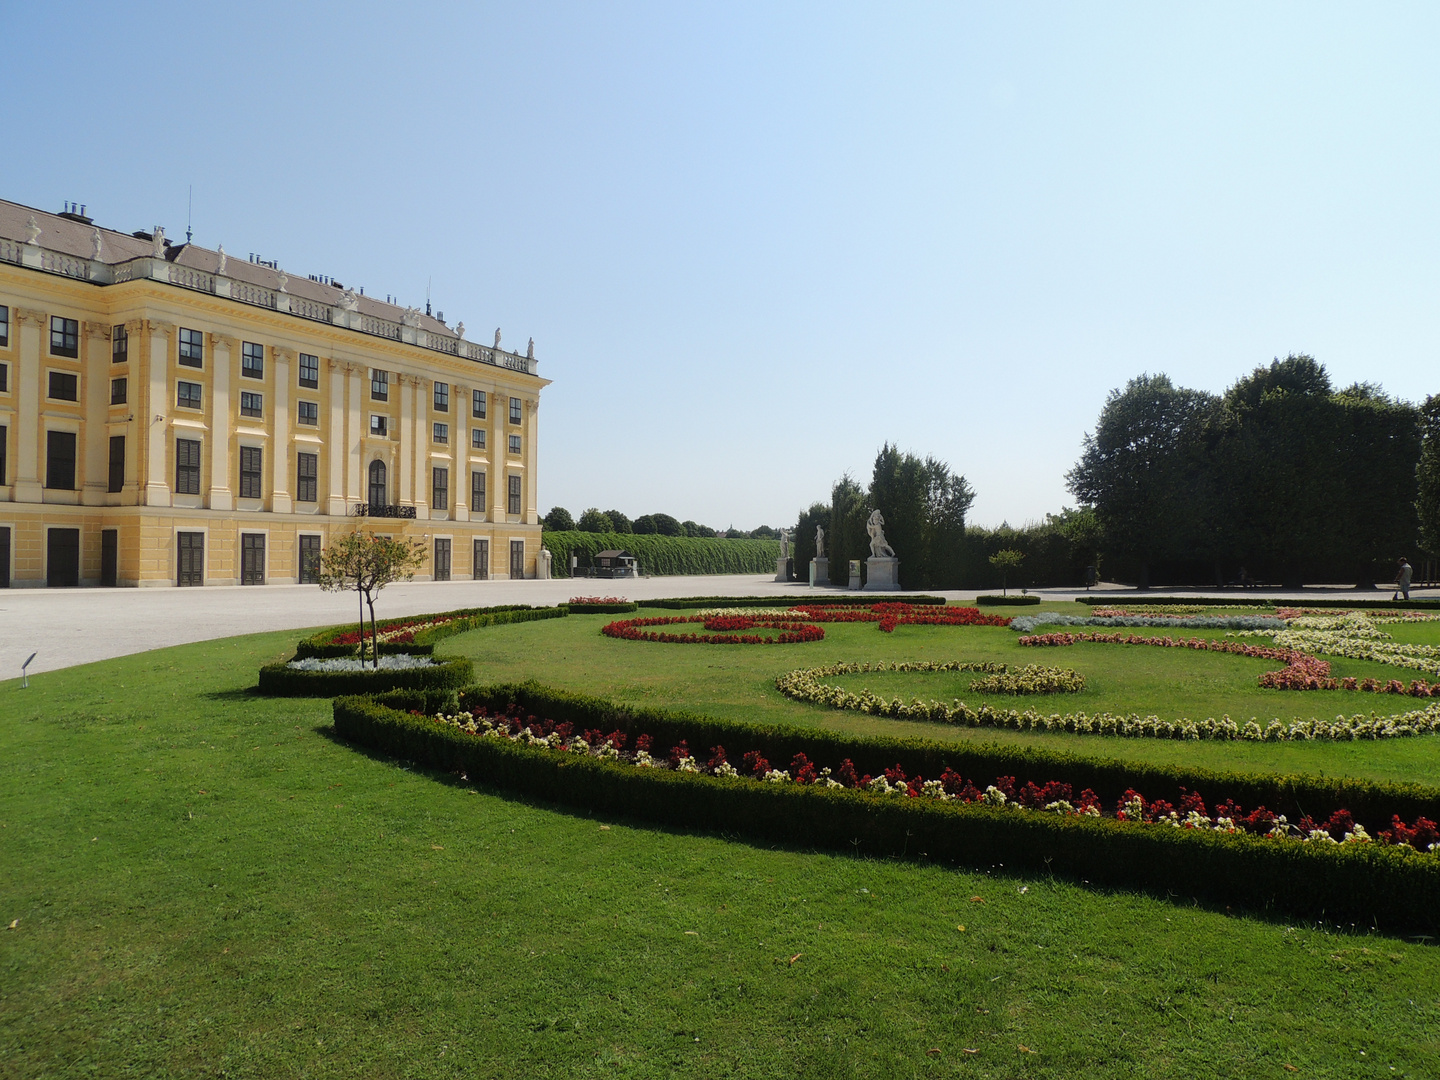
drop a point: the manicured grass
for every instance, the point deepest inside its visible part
(738, 683)
(206, 884)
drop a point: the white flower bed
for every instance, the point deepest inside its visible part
(396, 662)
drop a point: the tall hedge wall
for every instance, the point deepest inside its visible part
(661, 556)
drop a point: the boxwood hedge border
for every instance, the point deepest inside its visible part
(323, 644)
(1386, 887)
(1018, 600)
(1121, 599)
(281, 680)
(838, 599)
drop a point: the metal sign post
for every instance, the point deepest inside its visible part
(25, 675)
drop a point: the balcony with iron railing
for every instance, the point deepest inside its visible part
(185, 277)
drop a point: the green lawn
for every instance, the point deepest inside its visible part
(205, 884)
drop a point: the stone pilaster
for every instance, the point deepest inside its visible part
(28, 404)
(222, 359)
(95, 377)
(280, 498)
(406, 386)
(157, 353)
(354, 433)
(335, 441)
(532, 426)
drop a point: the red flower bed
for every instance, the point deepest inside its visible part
(793, 632)
(891, 615)
(1054, 796)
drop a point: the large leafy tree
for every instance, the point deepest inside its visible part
(595, 520)
(559, 520)
(1144, 470)
(367, 563)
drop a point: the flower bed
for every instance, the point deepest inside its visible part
(807, 685)
(289, 680)
(781, 792)
(792, 632)
(393, 662)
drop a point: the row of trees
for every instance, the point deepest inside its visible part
(1282, 477)
(595, 520)
(924, 506)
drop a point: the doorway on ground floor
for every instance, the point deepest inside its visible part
(62, 558)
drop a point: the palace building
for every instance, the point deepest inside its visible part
(171, 415)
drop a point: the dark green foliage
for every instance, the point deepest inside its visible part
(1427, 476)
(603, 609)
(644, 525)
(661, 555)
(595, 520)
(619, 522)
(1392, 887)
(846, 531)
(665, 525)
(558, 520)
(1282, 476)
(924, 507)
(280, 680)
(1013, 599)
(803, 545)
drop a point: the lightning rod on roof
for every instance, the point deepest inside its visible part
(189, 212)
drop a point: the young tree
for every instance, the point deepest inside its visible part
(1006, 560)
(367, 563)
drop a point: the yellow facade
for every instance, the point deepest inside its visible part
(217, 430)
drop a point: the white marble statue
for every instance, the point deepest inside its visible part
(497, 337)
(879, 548)
(819, 542)
(157, 242)
(32, 231)
(784, 543)
(220, 251)
(530, 350)
(460, 330)
(285, 280)
(97, 244)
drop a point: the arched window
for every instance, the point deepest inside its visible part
(378, 494)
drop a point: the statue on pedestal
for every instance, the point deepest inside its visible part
(784, 543)
(875, 527)
(819, 542)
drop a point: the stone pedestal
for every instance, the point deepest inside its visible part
(854, 575)
(542, 564)
(782, 569)
(882, 575)
(819, 572)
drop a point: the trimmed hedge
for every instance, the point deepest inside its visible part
(323, 645)
(1013, 600)
(603, 609)
(1294, 796)
(661, 556)
(681, 603)
(281, 680)
(1369, 883)
(1114, 600)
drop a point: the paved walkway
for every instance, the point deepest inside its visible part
(64, 627)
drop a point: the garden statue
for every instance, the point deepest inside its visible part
(784, 543)
(879, 549)
(819, 542)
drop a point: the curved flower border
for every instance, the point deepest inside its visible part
(807, 685)
(1053, 797)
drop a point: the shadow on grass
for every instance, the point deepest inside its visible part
(998, 871)
(237, 694)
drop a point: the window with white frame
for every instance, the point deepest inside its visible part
(309, 370)
(440, 433)
(308, 413)
(252, 360)
(477, 438)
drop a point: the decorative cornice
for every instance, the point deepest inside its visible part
(157, 326)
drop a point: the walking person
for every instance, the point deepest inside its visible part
(1402, 580)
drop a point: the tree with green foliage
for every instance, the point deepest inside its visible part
(803, 543)
(619, 522)
(367, 563)
(559, 520)
(595, 520)
(845, 535)
(665, 525)
(924, 506)
(1427, 476)
(1006, 561)
(644, 525)
(1144, 469)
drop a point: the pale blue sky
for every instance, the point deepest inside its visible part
(752, 242)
